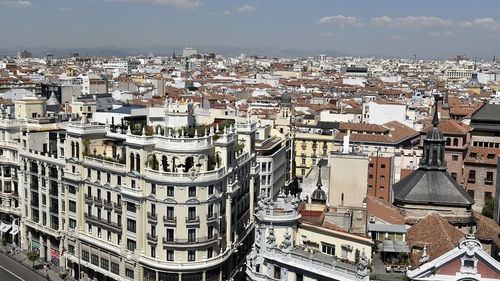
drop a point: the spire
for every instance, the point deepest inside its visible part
(319, 184)
(435, 118)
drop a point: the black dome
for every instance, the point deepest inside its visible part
(286, 98)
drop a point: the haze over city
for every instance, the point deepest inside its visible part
(427, 29)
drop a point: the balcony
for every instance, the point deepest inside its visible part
(213, 217)
(193, 220)
(88, 199)
(169, 220)
(192, 241)
(113, 227)
(118, 207)
(107, 205)
(202, 176)
(152, 237)
(152, 216)
(97, 202)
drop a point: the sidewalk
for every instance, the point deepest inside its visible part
(21, 257)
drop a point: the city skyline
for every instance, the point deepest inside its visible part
(363, 28)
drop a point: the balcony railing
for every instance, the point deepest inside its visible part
(97, 201)
(212, 217)
(88, 199)
(107, 204)
(118, 207)
(169, 220)
(189, 241)
(152, 237)
(195, 219)
(114, 227)
(152, 216)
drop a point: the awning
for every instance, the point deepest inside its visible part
(4, 227)
(14, 230)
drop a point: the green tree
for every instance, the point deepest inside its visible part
(32, 256)
(488, 207)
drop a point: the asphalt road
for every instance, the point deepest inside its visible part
(13, 271)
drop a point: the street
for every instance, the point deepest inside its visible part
(13, 271)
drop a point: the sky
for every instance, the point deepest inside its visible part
(399, 28)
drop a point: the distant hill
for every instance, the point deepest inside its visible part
(168, 50)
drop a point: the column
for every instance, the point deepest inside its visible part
(49, 256)
(252, 196)
(228, 221)
(42, 254)
(204, 276)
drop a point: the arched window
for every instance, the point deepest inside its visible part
(72, 149)
(131, 161)
(448, 141)
(137, 162)
(77, 150)
(164, 163)
(455, 142)
(189, 164)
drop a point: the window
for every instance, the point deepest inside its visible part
(71, 249)
(170, 213)
(153, 251)
(72, 206)
(108, 178)
(490, 156)
(191, 255)
(170, 234)
(129, 273)
(382, 177)
(115, 268)
(130, 207)
(454, 176)
(191, 235)
(94, 259)
(277, 272)
(454, 157)
(487, 196)
(210, 232)
(131, 225)
(153, 188)
(211, 189)
(192, 191)
(170, 255)
(104, 263)
(328, 249)
(118, 180)
(72, 223)
(191, 213)
(131, 245)
(85, 255)
(455, 142)
(210, 252)
(489, 178)
(170, 190)
(471, 193)
(370, 165)
(370, 176)
(89, 172)
(472, 176)
(382, 166)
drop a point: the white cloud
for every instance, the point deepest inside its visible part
(245, 9)
(17, 3)
(239, 9)
(410, 21)
(379, 21)
(187, 4)
(342, 21)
